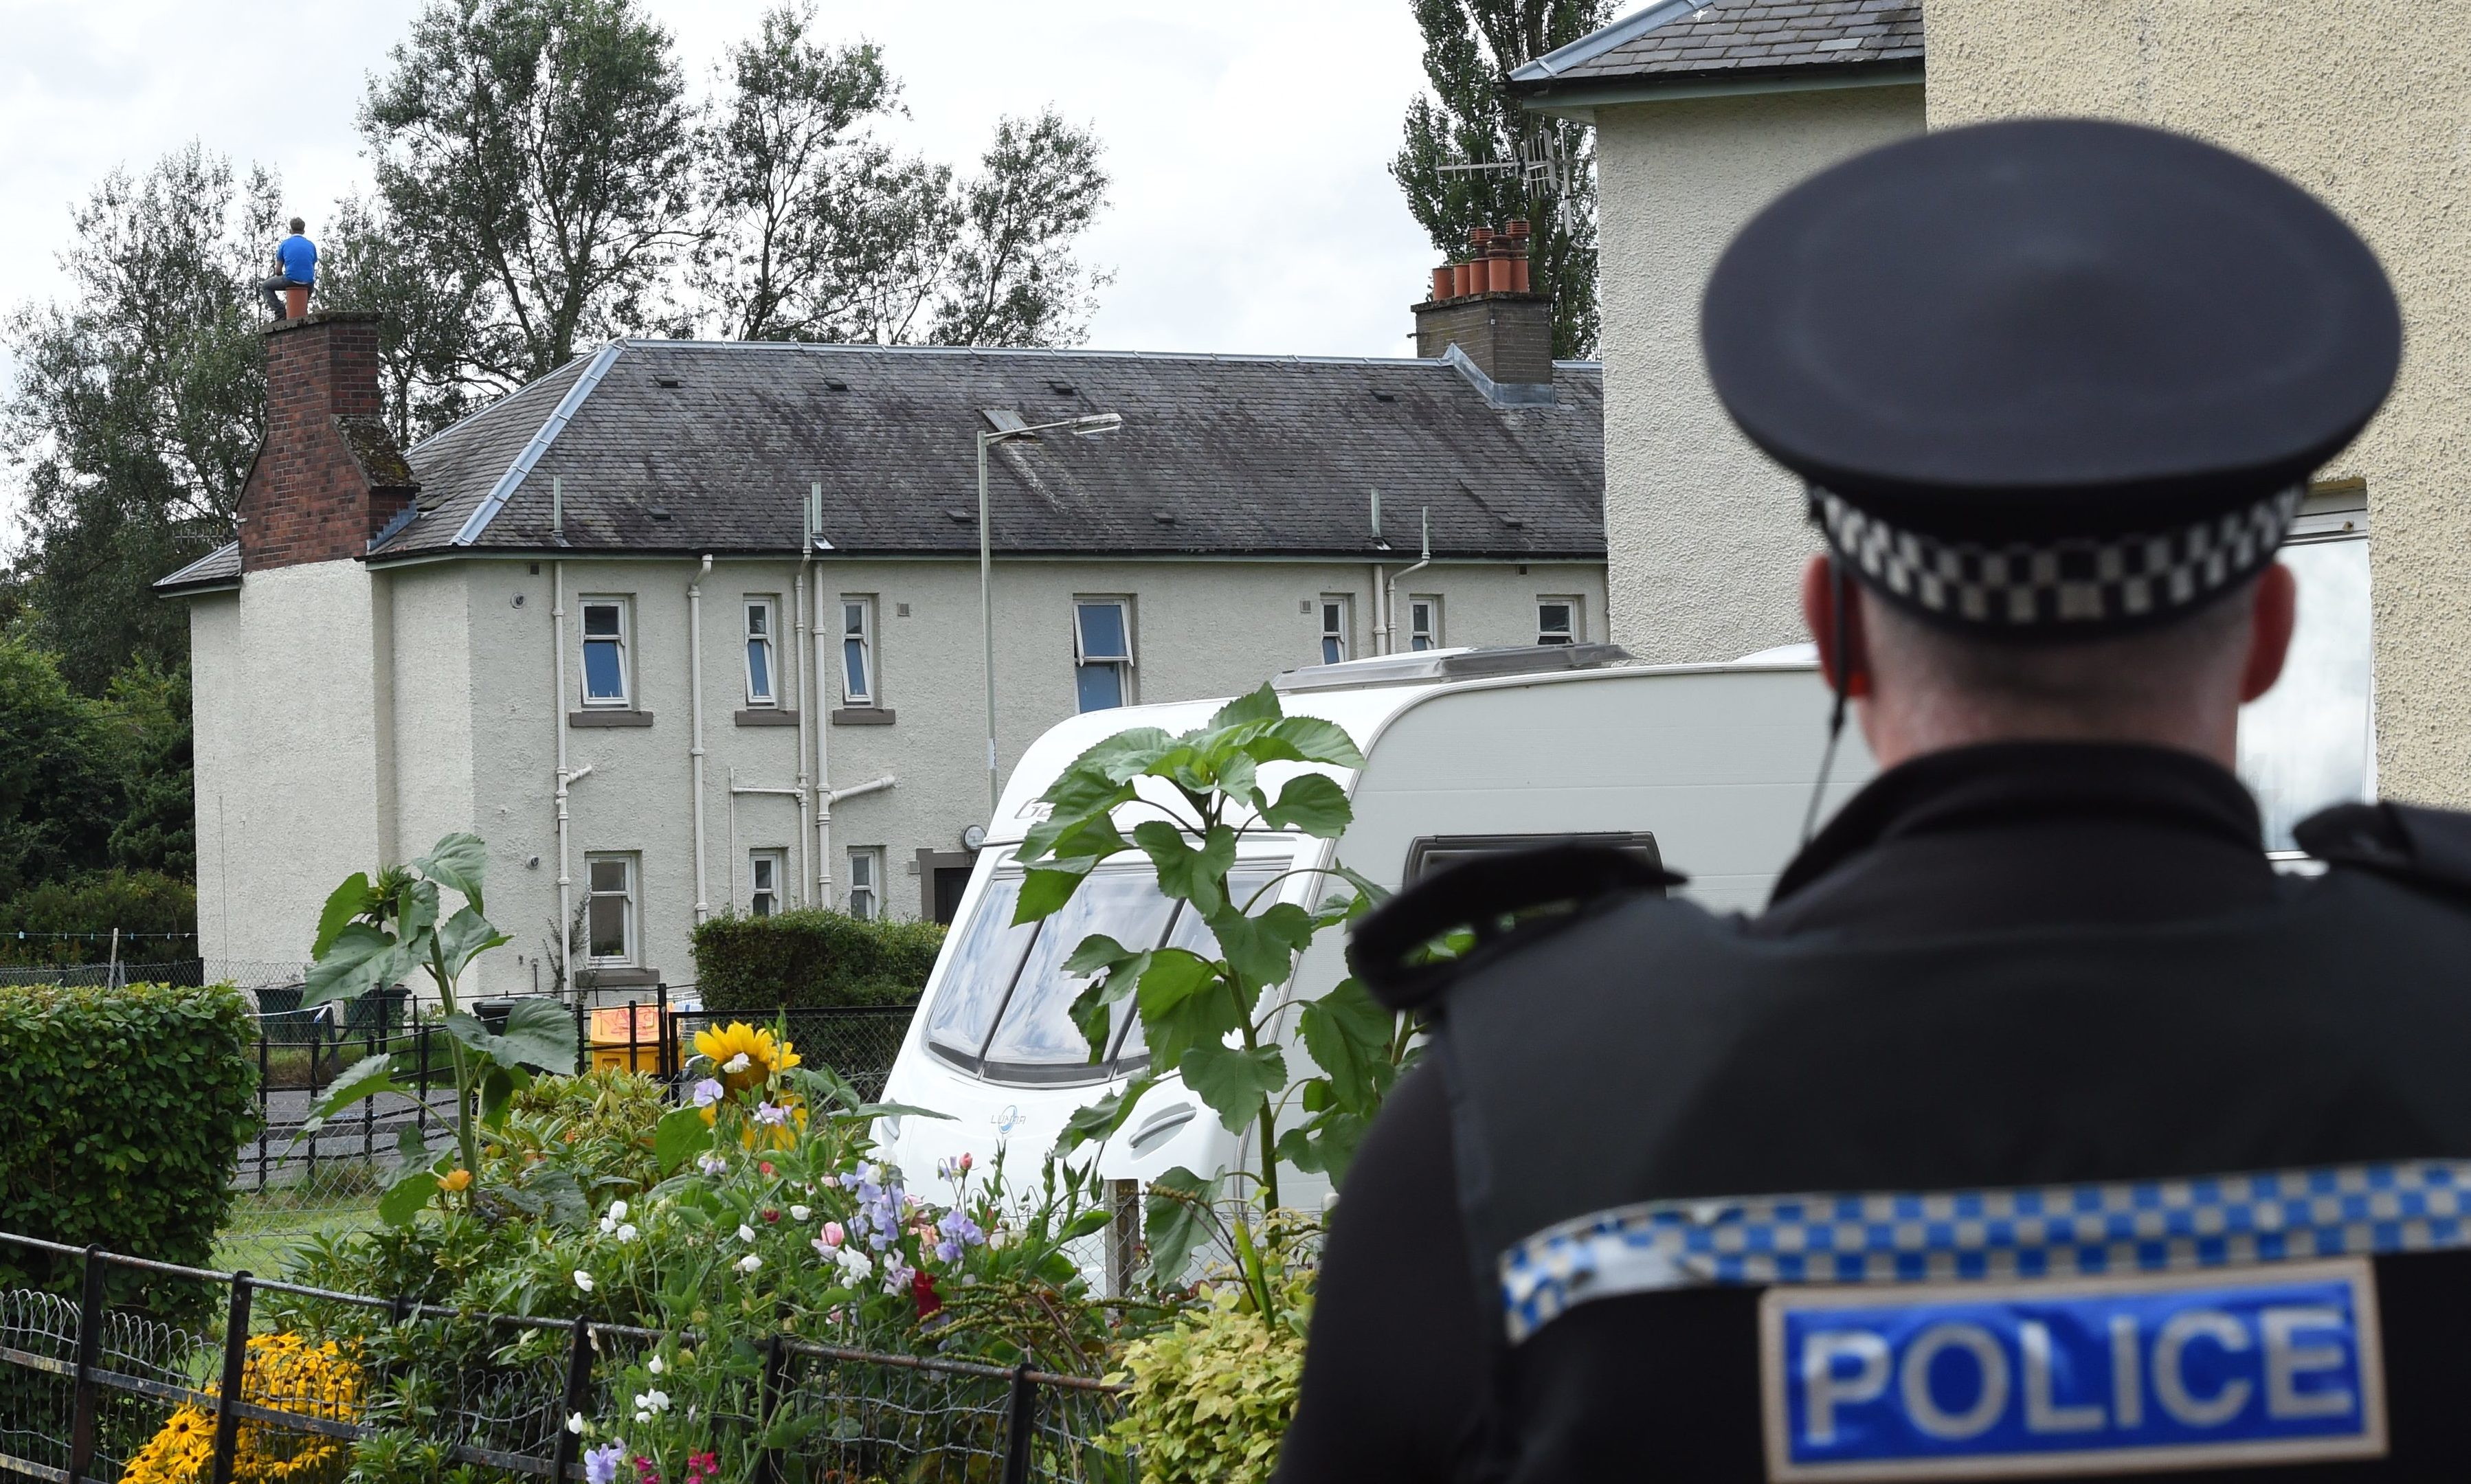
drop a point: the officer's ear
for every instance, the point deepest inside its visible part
(1821, 606)
(2273, 615)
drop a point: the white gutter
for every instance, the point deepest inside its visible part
(1596, 43)
(542, 437)
(695, 681)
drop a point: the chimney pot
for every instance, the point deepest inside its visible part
(1479, 236)
(295, 300)
(1461, 279)
(1496, 272)
(1519, 280)
(1445, 282)
(1518, 228)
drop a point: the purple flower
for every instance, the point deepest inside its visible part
(707, 1092)
(771, 1113)
(946, 1252)
(710, 1164)
(601, 1465)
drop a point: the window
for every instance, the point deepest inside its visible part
(1102, 651)
(604, 652)
(610, 910)
(1003, 1001)
(765, 869)
(1337, 627)
(866, 885)
(1425, 622)
(1557, 621)
(858, 651)
(2310, 743)
(760, 668)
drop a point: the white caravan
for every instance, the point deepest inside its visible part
(1707, 766)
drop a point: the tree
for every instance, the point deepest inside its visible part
(138, 406)
(538, 154)
(56, 773)
(1012, 278)
(1471, 48)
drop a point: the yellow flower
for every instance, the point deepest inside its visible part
(455, 1179)
(743, 1056)
(282, 1371)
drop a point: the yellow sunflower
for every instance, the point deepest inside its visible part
(743, 1056)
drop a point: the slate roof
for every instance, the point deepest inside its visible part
(691, 447)
(1673, 41)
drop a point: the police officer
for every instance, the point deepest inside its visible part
(2040, 1127)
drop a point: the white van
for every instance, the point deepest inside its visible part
(1707, 767)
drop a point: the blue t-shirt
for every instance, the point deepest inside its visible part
(299, 257)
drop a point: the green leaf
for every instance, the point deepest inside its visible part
(458, 861)
(1097, 952)
(416, 914)
(1313, 803)
(1262, 949)
(349, 902)
(1313, 739)
(1085, 1224)
(1232, 1080)
(361, 958)
(539, 1033)
(498, 1088)
(679, 1135)
(408, 1197)
(1176, 1219)
(1045, 890)
(1262, 705)
(467, 936)
(1122, 757)
(1195, 876)
(561, 1197)
(1092, 1009)
(364, 1079)
(1101, 1119)
(823, 1086)
(1348, 1033)
(412, 1151)
(1182, 1003)
(866, 1111)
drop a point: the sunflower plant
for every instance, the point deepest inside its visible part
(373, 934)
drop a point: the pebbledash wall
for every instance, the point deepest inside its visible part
(1705, 535)
(2367, 103)
(427, 688)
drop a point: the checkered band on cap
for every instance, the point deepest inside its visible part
(2005, 1236)
(2094, 583)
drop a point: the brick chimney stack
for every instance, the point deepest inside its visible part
(1485, 304)
(328, 478)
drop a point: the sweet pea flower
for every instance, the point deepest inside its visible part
(771, 1113)
(746, 1233)
(833, 1234)
(823, 1249)
(583, 1279)
(855, 1265)
(710, 1164)
(574, 1422)
(601, 1465)
(656, 1367)
(736, 1064)
(749, 1262)
(800, 1212)
(707, 1092)
(626, 1233)
(616, 1211)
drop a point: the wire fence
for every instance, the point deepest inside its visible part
(90, 1393)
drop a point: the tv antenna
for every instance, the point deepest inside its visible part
(1542, 166)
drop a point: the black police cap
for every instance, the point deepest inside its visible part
(2051, 376)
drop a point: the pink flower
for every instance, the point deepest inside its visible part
(834, 1235)
(965, 1162)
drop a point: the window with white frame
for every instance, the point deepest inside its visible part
(866, 883)
(605, 636)
(761, 670)
(1425, 621)
(609, 914)
(765, 871)
(1102, 652)
(857, 649)
(1337, 627)
(1557, 621)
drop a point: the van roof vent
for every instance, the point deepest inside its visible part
(1435, 666)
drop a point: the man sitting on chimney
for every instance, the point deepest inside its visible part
(296, 261)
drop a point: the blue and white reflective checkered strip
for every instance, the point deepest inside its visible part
(2067, 1231)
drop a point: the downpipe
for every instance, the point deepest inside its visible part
(694, 683)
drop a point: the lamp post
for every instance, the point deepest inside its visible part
(1088, 426)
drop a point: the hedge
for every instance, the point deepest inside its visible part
(122, 1113)
(812, 959)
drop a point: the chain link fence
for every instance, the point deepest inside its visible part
(90, 1393)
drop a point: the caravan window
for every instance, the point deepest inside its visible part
(1189, 931)
(1004, 1009)
(2310, 743)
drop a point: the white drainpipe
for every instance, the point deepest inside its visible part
(798, 679)
(827, 642)
(1391, 601)
(557, 719)
(695, 681)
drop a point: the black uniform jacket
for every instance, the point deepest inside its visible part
(1405, 1377)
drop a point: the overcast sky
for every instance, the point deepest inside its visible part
(1251, 208)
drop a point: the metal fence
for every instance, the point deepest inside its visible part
(86, 1390)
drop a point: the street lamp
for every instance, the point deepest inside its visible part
(1088, 426)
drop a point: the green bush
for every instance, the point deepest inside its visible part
(122, 1113)
(812, 959)
(1213, 1396)
(136, 902)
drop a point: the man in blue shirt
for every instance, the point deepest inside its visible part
(296, 261)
